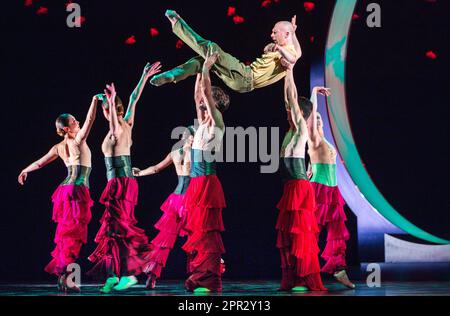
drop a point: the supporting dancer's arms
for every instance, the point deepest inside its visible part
(286, 54)
(154, 169)
(291, 100)
(198, 97)
(90, 118)
(215, 114)
(313, 130)
(297, 46)
(149, 71)
(38, 164)
(114, 127)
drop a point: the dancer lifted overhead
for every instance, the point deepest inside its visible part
(270, 68)
(204, 196)
(296, 223)
(329, 202)
(122, 247)
(71, 200)
(171, 223)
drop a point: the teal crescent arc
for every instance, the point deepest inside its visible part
(335, 60)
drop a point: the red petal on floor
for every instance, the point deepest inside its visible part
(130, 40)
(28, 3)
(231, 11)
(238, 19)
(309, 6)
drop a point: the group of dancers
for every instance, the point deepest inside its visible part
(194, 209)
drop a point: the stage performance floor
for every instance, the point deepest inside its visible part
(239, 288)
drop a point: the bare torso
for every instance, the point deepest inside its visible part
(324, 152)
(294, 143)
(74, 154)
(120, 146)
(182, 161)
(207, 137)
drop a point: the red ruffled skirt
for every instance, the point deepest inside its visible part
(170, 225)
(297, 237)
(72, 213)
(204, 201)
(330, 214)
(122, 247)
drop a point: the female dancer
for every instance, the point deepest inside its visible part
(173, 220)
(204, 196)
(71, 200)
(329, 202)
(122, 247)
(296, 223)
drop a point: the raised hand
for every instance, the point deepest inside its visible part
(152, 69)
(322, 90)
(22, 177)
(101, 97)
(210, 58)
(110, 93)
(294, 22)
(286, 64)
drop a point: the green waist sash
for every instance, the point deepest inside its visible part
(324, 174)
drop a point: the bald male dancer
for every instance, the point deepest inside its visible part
(266, 70)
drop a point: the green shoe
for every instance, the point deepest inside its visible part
(126, 282)
(110, 282)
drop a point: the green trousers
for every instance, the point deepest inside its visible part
(235, 74)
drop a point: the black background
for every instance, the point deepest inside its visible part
(397, 97)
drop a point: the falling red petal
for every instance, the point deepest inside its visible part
(231, 11)
(130, 40)
(309, 6)
(430, 54)
(266, 3)
(276, 1)
(154, 32)
(28, 3)
(248, 63)
(80, 20)
(69, 2)
(311, 39)
(179, 44)
(238, 19)
(42, 10)
(355, 17)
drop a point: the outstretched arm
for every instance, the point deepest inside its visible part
(149, 71)
(114, 126)
(198, 96)
(313, 130)
(206, 90)
(297, 46)
(154, 169)
(290, 91)
(90, 118)
(38, 164)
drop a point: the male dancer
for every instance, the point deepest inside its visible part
(266, 70)
(204, 196)
(329, 202)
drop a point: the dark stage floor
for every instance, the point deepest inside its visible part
(241, 288)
